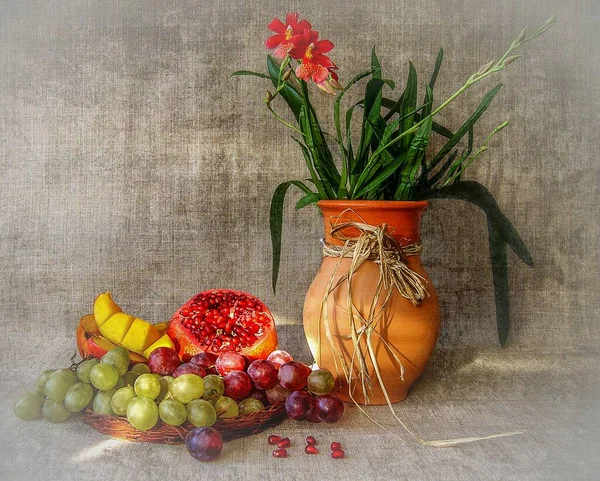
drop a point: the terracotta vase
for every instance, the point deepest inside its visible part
(411, 331)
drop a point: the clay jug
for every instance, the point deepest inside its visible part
(405, 335)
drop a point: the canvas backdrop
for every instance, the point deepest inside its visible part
(130, 161)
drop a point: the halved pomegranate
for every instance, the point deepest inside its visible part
(223, 320)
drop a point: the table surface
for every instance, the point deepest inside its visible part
(552, 396)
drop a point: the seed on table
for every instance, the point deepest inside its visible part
(310, 449)
(336, 446)
(337, 454)
(284, 443)
(273, 439)
(280, 453)
(310, 440)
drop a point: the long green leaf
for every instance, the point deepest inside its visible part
(409, 103)
(276, 223)
(307, 200)
(289, 94)
(436, 68)
(372, 109)
(240, 73)
(408, 175)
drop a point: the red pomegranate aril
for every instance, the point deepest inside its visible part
(335, 446)
(338, 454)
(310, 440)
(273, 439)
(310, 449)
(280, 453)
(284, 443)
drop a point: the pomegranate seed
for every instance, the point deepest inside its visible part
(336, 446)
(310, 440)
(337, 454)
(273, 439)
(310, 449)
(284, 443)
(280, 453)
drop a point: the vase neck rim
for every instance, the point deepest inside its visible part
(401, 218)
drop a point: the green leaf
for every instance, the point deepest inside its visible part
(464, 128)
(276, 223)
(501, 233)
(240, 73)
(436, 68)
(315, 140)
(375, 64)
(289, 94)
(409, 103)
(307, 200)
(408, 174)
(382, 176)
(372, 109)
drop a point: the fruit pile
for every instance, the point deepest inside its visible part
(208, 364)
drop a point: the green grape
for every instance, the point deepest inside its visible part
(226, 408)
(250, 405)
(121, 400)
(186, 388)
(122, 352)
(130, 377)
(29, 406)
(116, 357)
(78, 396)
(83, 370)
(164, 382)
(172, 412)
(102, 400)
(54, 411)
(41, 381)
(104, 376)
(147, 386)
(141, 368)
(201, 413)
(59, 383)
(214, 387)
(320, 382)
(142, 413)
(120, 382)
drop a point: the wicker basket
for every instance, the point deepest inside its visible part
(162, 433)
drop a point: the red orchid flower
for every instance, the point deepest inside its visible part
(315, 64)
(282, 40)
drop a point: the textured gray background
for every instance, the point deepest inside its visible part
(131, 162)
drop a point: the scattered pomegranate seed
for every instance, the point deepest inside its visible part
(310, 440)
(337, 454)
(310, 449)
(280, 453)
(273, 439)
(336, 446)
(284, 443)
